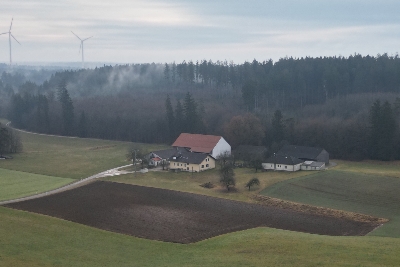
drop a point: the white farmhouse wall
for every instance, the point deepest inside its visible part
(281, 167)
(221, 147)
(267, 166)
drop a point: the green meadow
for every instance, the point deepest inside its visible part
(34, 240)
(66, 157)
(28, 239)
(15, 184)
(371, 194)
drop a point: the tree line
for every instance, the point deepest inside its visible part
(254, 103)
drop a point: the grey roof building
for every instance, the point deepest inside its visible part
(284, 159)
(185, 156)
(305, 153)
(163, 154)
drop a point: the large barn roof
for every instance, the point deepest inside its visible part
(301, 152)
(283, 159)
(197, 142)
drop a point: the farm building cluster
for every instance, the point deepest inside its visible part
(191, 153)
(198, 152)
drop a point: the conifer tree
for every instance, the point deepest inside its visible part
(170, 119)
(67, 109)
(179, 118)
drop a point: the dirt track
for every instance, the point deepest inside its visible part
(173, 216)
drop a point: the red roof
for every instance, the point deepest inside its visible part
(197, 142)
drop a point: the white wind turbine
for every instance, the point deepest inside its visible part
(81, 47)
(9, 38)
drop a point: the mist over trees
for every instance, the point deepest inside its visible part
(329, 102)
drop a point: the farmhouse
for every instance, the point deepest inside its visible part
(305, 153)
(185, 160)
(157, 157)
(279, 162)
(210, 144)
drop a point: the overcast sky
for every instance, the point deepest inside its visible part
(137, 31)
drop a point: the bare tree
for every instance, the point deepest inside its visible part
(227, 176)
(252, 182)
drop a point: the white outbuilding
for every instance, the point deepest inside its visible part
(279, 162)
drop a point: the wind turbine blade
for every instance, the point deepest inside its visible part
(87, 38)
(3, 33)
(80, 48)
(15, 39)
(11, 24)
(76, 35)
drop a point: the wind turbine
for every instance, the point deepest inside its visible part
(81, 46)
(9, 38)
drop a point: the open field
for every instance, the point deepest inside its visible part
(190, 182)
(346, 190)
(29, 239)
(74, 158)
(381, 168)
(174, 216)
(15, 184)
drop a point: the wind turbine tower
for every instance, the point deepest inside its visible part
(81, 47)
(9, 38)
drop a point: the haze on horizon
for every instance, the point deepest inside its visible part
(164, 31)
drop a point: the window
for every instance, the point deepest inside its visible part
(202, 166)
(285, 167)
(207, 165)
(174, 163)
(187, 168)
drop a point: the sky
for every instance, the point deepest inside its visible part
(145, 31)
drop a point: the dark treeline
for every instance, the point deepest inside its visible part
(324, 102)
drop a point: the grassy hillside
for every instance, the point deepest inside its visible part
(68, 157)
(33, 240)
(15, 184)
(28, 239)
(347, 190)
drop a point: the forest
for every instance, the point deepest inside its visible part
(347, 105)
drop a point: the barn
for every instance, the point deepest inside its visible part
(305, 153)
(201, 143)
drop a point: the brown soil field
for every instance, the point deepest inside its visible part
(174, 216)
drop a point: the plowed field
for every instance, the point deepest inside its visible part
(174, 216)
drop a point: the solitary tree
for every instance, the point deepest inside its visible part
(252, 182)
(227, 176)
(137, 154)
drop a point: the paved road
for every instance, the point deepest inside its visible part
(111, 172)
